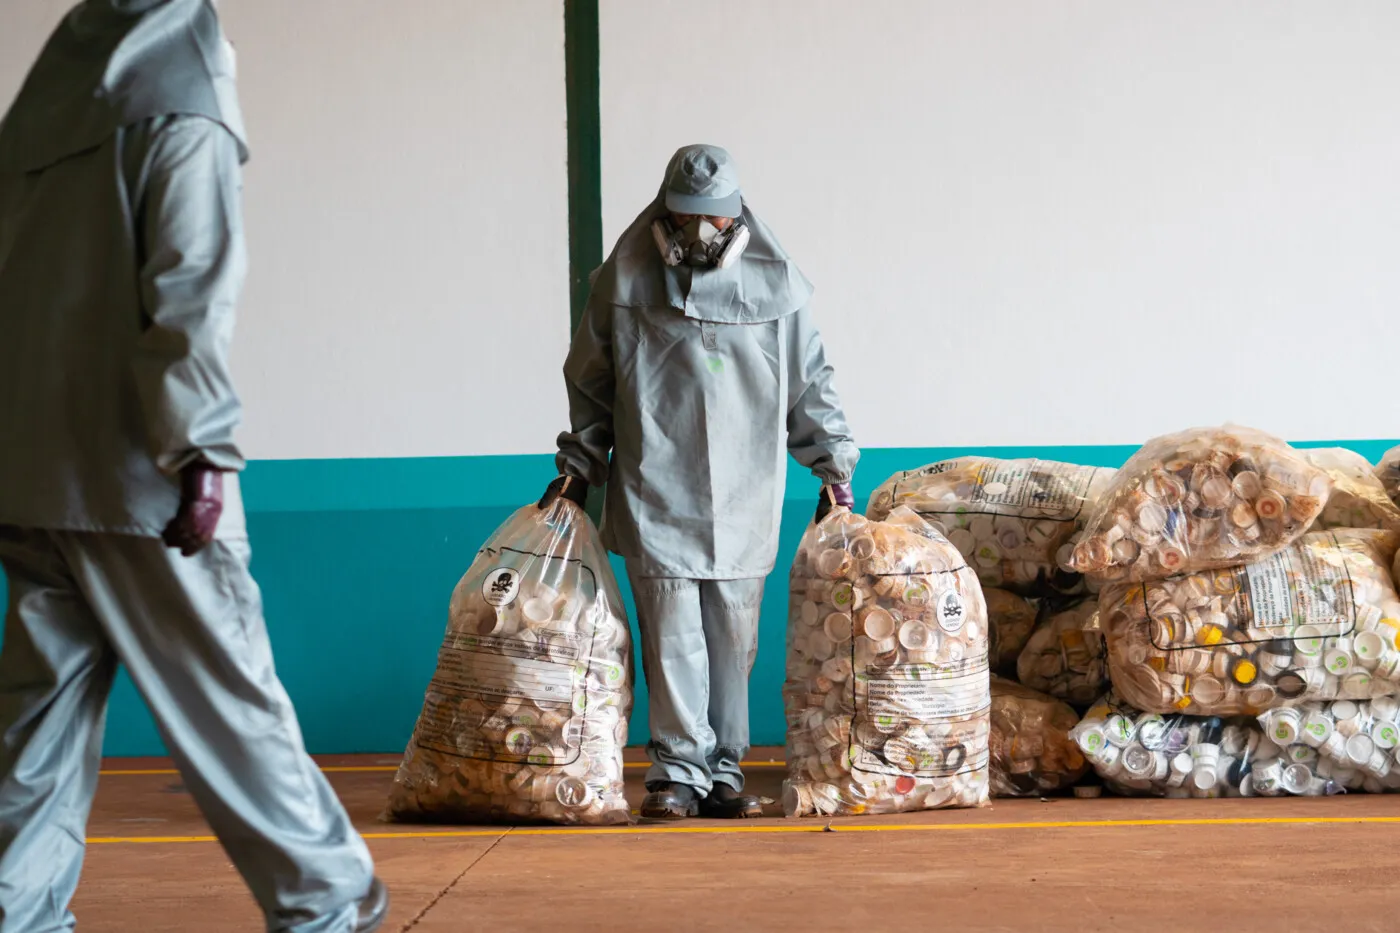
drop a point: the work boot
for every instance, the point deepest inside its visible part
(671, 801)
(726, 803)
(374, 907)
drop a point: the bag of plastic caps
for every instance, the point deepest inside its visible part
(1007, 517)
(1200, 500)
(1388, 472)
(1338, 745)
(886, 694)
(1010, 621)
(1065, 656)
(1146, 755)
(1316, 621)
(525, 718)
(1031, 751)
(1358, 499)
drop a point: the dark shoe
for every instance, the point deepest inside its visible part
(671, 802)
(726, 803)
(374, 907)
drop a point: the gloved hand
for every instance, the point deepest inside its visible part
(570, 487)
(201, 505)
(832, 495)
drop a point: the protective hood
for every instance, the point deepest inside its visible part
(112, 63)
(764, 285)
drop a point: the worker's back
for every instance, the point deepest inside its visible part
(79, 361)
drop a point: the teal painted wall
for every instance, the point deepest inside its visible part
(357, 559)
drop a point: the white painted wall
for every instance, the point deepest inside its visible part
(407, 211)
(1087, 221)
(1080, 222)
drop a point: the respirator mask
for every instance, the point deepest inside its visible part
(700, 244)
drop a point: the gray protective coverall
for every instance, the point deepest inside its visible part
(121, 260)
(687, 389)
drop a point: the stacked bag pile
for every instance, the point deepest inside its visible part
(1219, 617)
(1249, 607)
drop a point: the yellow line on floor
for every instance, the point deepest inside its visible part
(811, 826)
(352, 769)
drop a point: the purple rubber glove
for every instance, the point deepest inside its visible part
(201, 505)
(569, 487)
(833, 495)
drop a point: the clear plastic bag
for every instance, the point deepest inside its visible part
(525, 718)
(1337, 745)
(1031, 751)
(1200, 500)
(887, 689)
(1007, 517)
(1358, 499)
(1141, 754)
(1388, 472)
(1010, 620)
(1318, 620)
(1065, 656)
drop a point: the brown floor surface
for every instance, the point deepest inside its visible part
(1258, 865)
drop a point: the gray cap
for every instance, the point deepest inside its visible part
(703, 181)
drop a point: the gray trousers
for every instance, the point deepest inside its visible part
(699, 638)
(190, 632)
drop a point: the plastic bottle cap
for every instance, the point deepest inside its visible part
(1182, 764)
(1296, 778)
(1385, 734)
(833, 563)
(1360, 748)
(1138, 761)
(1119, 730)
(1337, 662)
(1267, 774)
(1307, 639)
(879, 624)
(1204, 778)
(1245, 672)
(1092, 740)
(1152, 732)
(838, 627)
(1207, 692)
(574, 793)
(1285, 728)
(1368, 646)
(915, 635)
(1303, 754)
(1259, 696)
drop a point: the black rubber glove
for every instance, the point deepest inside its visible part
(201, 505)
(833, 495)
(569, 487)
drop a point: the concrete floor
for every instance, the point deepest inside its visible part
(1068, 865)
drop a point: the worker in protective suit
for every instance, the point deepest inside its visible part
(121, 526)
(695, 369)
